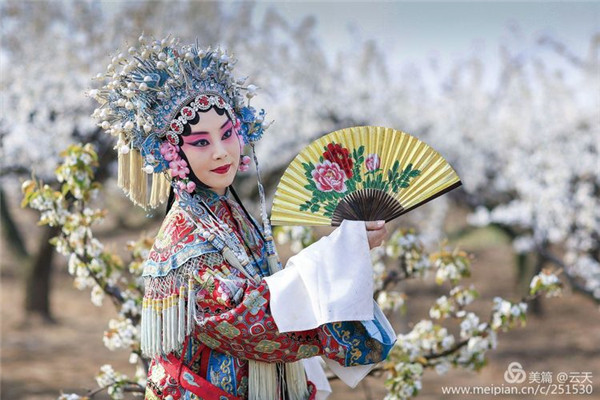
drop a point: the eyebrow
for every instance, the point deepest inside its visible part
(206, 133)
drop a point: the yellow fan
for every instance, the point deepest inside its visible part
(363, 173)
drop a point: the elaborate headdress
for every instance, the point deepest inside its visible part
(151, 92)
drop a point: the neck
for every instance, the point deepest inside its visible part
(220, 191)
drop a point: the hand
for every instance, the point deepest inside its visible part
(376, 233)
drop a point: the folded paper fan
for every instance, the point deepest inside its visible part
(364, 173)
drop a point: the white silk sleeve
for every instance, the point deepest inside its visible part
(329, 281)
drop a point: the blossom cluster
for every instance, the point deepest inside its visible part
(406, 246)
(451, 266)
(112, 380)
(453, 304)
(506, 314)
(121, 334)
(298, 237)
(178, 167)
(547, 282)
(90, 264)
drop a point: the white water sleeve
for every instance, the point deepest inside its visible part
(314, 373)
(329, 281)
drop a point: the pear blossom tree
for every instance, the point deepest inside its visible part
(526, 151)
(509, 142)
(42, 111)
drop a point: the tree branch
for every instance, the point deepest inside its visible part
(578, 287)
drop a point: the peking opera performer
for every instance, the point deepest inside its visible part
(221, 318)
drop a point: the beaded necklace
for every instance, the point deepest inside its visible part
(218, 233)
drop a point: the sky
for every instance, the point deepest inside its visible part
(416, 31)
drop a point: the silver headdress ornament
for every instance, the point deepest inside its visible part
(151, 92)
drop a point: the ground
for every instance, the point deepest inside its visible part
(40, 360)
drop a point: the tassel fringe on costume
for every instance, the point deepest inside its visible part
(268, 380)
(166, 318)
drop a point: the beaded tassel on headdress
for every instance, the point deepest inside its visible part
(272, 256)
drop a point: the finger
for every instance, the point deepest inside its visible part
(375, 238)
(375, 243)
(374, 225)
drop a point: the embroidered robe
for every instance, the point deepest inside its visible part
(232, 321)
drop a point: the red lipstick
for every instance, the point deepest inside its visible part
(222, 170)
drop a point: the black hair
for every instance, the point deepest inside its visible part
(187, 130)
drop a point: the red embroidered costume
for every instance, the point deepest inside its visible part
(233, 320)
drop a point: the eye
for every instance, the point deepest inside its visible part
(200, 143)
(227, 135)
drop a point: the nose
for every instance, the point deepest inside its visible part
(219, 151)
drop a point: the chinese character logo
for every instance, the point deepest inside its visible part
(515, 373)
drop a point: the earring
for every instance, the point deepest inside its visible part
(244, 163)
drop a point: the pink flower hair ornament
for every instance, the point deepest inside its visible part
(178, 167)
(169, 151)
(244, 160)
(244, 164)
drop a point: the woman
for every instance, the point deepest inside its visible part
(220, 319)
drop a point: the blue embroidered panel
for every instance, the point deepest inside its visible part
(221, 372)
(366, 342)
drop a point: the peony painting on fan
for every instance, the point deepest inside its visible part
(362, 173)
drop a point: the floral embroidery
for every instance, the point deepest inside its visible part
(209, 341)
(157, 372)
(254, 301)
(307, 350)
(176, 242)
(228, 330)
(267, 346)
(340, 172)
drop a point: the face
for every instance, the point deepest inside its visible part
(210, 148)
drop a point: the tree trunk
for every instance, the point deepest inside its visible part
(10, 229)
(37, 282)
